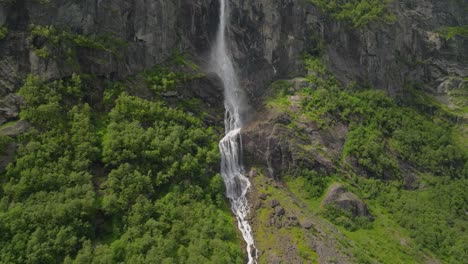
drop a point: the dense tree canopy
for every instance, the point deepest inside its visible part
(138, 184)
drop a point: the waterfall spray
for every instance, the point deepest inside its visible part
(237, 184)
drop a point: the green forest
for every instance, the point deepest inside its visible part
(137, 183)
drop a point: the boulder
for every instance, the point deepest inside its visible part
(274, 203)
(10, 107)
(307, 224)
(258, 205)
(338, 195)
(262, 196)
(15, 129)
(279, 211)
(291, 220)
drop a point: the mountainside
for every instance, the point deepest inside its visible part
(354, 140)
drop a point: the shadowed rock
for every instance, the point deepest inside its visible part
(279, 211)
(274, 203)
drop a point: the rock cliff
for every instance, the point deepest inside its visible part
(268, 40)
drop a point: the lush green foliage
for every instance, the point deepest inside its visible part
(435, 216)
(383, 132)
(359, 12)
(314, 183)
(62, 44)
(138, 184)
(344, 218)
(3, 32)
(451, 32)
(4, 141)
(162, 80)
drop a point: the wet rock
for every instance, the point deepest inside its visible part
(208, 88)
(274, 203)
(262, 196)
(338, 195)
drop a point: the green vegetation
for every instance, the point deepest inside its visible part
(434, 216)
(137, 183)
(389, 140)
(452, 32)
(4, 141)
(344, 218)
(285, 240)
(358, 12)
(162, 79)
(3, 32)
(381, 131)
(50, 41)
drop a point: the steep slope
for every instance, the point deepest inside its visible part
(404, 162)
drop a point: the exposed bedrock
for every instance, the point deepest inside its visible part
(268, 38)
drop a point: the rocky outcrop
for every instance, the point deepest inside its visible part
(270, 142)
(10, 108)
(339, 196)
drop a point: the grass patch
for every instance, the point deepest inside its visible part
(452, 32)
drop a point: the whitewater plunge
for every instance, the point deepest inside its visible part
(230, 146)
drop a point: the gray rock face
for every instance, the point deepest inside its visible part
(268, 141)
(270, 36)
(267, 40)
(338, 195)
(153, 30)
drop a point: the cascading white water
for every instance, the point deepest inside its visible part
(232, 171)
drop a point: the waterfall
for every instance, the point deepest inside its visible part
(237, 184)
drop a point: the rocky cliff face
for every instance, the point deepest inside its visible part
(270, 37)
(152, 30)
(268, 40)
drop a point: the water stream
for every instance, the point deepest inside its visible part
(237, 184)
